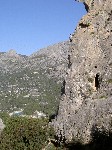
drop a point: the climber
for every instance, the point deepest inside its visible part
(70, 38)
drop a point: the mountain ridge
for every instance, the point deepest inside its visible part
(32, 83)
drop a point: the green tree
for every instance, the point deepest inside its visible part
(25, 134)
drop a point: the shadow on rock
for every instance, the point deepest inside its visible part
(101, 140)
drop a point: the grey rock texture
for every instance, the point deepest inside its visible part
(87, 96)
(53, 57)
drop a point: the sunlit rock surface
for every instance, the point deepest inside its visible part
(87, 97)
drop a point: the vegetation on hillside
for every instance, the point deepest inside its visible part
(38, 92)
(32, 83)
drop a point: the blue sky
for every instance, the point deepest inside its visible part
(29, 25)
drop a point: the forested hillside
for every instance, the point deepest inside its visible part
(32, 83)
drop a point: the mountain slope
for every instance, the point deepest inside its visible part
(32, 83)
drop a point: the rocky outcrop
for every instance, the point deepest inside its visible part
(87, 98)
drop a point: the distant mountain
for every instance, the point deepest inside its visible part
(31, 83)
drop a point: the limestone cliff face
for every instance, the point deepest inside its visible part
(87, 97)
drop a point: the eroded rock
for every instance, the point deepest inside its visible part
(87, 99)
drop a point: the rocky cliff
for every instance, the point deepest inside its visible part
(87, 95)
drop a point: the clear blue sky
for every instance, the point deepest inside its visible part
(28, 25)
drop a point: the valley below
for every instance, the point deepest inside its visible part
(32, 84)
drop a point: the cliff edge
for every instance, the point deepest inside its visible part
(87, 90)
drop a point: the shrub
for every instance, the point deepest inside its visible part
(25, 133)
(109, 81)
(90, 80)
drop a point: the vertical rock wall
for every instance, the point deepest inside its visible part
(87, 99)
